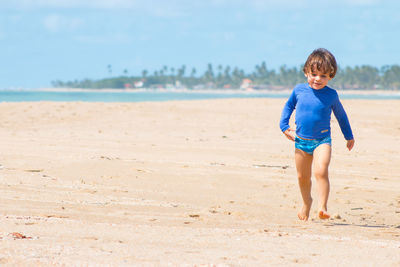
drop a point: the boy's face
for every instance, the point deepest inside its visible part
(317, 79)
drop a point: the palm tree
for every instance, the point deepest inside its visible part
(193, 73)
(220, 69)
(144, 73)
(181, 71)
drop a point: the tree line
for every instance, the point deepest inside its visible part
(358, 77)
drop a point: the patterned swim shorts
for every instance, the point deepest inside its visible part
(309, 146)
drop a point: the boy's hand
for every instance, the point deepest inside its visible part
(289, 133)
(350, 144)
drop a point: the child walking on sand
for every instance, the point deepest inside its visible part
(314, 102)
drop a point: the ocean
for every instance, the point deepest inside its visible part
(146, 96)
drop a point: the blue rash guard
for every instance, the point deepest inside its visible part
(313, 112)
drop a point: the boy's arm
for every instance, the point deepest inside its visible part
(285, 116)
(343, 120)
(344, 123)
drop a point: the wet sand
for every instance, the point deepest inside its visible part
(190, 183)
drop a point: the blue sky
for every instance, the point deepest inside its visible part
(46, 40)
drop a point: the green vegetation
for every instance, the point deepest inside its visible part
(358, 77)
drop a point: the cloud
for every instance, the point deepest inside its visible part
(185, 4)
(361, 2)
(106, 38)
(56, 23)
(73, 3)
(157, 8)
(303, 4)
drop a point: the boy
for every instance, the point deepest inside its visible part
(314, 102)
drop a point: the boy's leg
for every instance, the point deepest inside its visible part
(303, 166)
(322, 158)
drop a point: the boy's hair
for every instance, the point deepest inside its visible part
(322, 60)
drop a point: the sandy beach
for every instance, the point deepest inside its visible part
(190, 183)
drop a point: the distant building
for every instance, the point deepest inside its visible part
(128, 85)
(246, 84)
(138, 84)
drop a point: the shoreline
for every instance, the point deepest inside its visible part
(201, 91)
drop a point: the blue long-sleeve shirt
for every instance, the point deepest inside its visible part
(313, 112)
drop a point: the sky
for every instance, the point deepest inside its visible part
(47, 40)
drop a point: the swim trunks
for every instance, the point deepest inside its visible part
(309, 146)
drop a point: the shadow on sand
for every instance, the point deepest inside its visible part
(382, 226)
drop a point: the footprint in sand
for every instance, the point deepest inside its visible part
(337, 216)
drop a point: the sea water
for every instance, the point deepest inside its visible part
(145, 96)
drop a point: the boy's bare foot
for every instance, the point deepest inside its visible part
(304, 213)
(323, 214)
